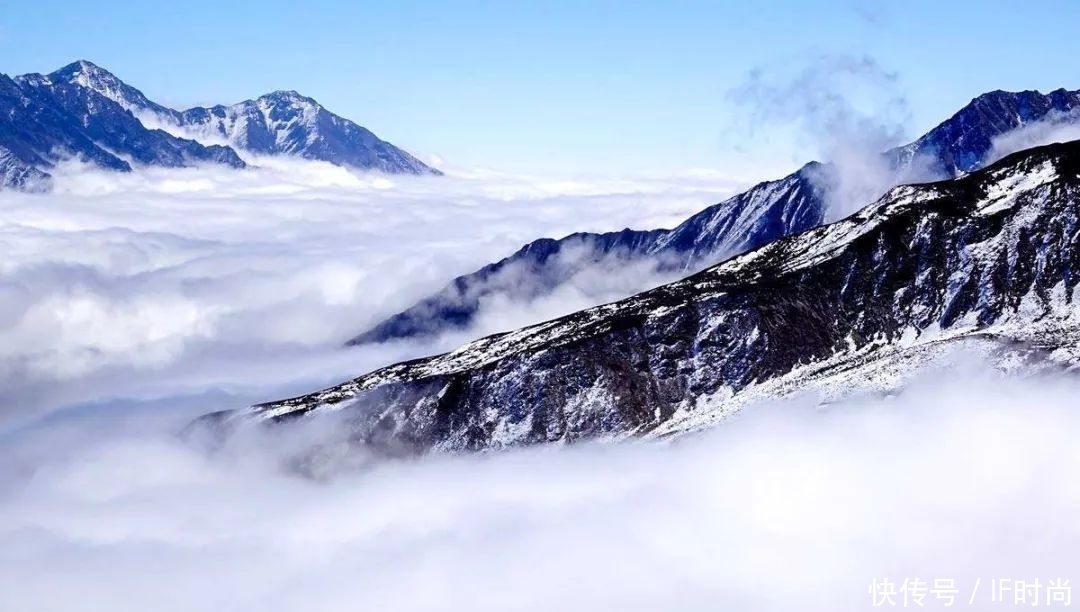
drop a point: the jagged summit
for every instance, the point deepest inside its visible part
(290, 96)
(91, 76)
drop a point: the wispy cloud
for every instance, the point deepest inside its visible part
(845, 110)
(1056, 127)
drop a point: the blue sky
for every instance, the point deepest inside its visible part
(558, 86)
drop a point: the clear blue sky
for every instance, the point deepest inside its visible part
(616, 87)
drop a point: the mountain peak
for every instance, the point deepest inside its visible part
(1013, 99)
(86, 74)
(1001, 96)
(89, 113)
(82, 72)
(289, 96)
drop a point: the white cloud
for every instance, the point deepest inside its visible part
(1055, 127)
(131, 304)
(117, 284)
(787, 507)
(845, 110)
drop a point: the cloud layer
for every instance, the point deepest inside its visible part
(130, 304)
(191, 277)
(1056, 127)
(787, 507)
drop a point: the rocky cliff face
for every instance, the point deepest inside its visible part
(992, 256)
(20, 175)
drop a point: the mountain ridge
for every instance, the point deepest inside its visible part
(47, 122)
(85, 112)
(286, 122)
(761, 214)
(990, 256)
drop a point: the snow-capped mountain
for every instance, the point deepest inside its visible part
(760, 215)
(49, 118)
(989, 259)
(110, 126)
(278, 123)
(285, 122)
(93, 77)
(85, 112)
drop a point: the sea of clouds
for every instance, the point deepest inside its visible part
(789, 506)
(182, 281)
(130, 304)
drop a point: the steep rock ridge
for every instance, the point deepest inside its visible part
(961, 144)
(992, 255)
(762, 214)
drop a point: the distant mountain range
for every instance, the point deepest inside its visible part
(83, 111)
(989, 261)
(764, 213)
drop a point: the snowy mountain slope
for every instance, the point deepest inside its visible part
(287, 123)
(20, 175)
(45, 119)
(278, 123)
(88, 75)
(963, 142)
(763, 213)
(760, 215)
(36, 133)
(111, 126)
(992, 256)
(85, 112)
